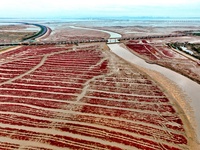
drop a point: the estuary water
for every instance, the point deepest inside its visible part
(189, 87)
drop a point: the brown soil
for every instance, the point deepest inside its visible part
(67, 33)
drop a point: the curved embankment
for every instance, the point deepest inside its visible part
(43, 33)
(43, 30)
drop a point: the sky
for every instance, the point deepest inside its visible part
(100, 8)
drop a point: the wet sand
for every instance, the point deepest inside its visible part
(187, 86)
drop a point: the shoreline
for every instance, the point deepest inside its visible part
(180, 100)
(179, 96)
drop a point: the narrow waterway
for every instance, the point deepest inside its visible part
(113, 36)
(189, 87)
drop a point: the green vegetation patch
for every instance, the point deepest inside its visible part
(197, 33)
(10, 37)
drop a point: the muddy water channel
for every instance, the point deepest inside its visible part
(189, 87)
(113, 35)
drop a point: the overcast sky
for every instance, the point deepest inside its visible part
(100, 8)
